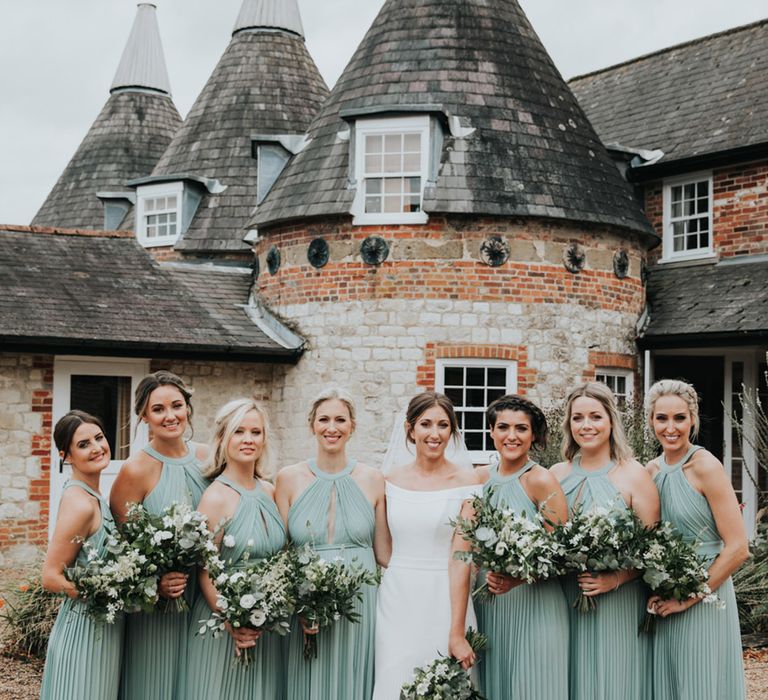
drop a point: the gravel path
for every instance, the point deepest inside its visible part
(20, 680)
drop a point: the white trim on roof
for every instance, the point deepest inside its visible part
(270, 14)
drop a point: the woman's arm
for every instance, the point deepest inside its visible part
(715, 486)
(545, 491)
(131, 486)
(382, 540)
(79, 517)
(459, 582)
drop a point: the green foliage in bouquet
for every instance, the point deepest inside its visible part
(178, 539)
(506, 542)
(328, 591)
(444, 678)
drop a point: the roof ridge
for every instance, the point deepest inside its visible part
(66, 231)
(651, 54)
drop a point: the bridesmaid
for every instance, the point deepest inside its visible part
(83, 515)
(527, 625)
(607, 657)
(240, 498)
(168, 470)
(697, 648)
(337, 505)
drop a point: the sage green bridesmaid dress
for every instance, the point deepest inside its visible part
(608, 660)
(343, 669)
(696, 653)
(83, 657)
(527, 628)
(156, 642)
(258, 531)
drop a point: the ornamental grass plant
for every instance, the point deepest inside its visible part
(27, 614)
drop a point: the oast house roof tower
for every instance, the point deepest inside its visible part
(131, 132)
(452, 222)
(251, 114)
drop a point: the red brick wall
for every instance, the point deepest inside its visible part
(740, 213)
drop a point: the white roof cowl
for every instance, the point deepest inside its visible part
(142, 65)
(270, 14)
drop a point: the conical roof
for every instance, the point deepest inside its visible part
(143, 62)
(532, 152)
(265, 83)
(125, 142)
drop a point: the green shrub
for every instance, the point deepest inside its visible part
(26, 618)
(751, 584)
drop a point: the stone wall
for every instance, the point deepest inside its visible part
(26, 392)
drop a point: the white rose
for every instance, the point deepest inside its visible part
(222, 604)
(229, 541)
(247, 601)
(257, 618)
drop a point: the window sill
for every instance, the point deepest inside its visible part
(157, 242)
(687, 260)
(387, 219)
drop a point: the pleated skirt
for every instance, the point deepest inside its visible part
(527, 655)
(608, 659)
(343, 669)
(697, 653)
(83, 657)
(211, 671)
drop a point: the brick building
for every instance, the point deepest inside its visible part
(447, 217)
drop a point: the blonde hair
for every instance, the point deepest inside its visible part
(229, 417)
(328, 394)
(679, 388)
(620, 449)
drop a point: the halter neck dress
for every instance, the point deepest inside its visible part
(527, 628)
(156, 642)
(696, 653)
(83, 657)
(258, 531)
(607, 657)
(343, 669)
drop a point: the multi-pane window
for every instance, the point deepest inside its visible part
(391, 169)
(688, 218)
(160, 216)
(619, 382)
(392, 173)
(472, 385)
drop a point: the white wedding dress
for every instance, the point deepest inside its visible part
(413, 611)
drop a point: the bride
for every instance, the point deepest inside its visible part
(423, 606)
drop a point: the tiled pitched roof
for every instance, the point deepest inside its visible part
(266, 83)
(125, 142)
(702, 97)
(533, 152)
(729, 298)
(96, 290)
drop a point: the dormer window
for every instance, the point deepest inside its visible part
(158, 215)
(688, 218)
(271, 158)
(392, 159)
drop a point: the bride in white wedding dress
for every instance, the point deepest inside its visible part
(423, 606)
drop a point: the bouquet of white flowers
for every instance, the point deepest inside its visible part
(673, 569)
(115, 582)
(601, 539)
(506, 542)
(259, 596)
(326, 591)
(178, 539)
(444, 678)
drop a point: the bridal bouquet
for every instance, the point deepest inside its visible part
(259, 596)
(327, 591)
(672, 568)
(444, 678)
(177, 539)
(114, 582)
(506, 542)
(598, 540)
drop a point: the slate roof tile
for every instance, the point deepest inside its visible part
(698, 98)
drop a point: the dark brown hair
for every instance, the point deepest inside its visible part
(156, 380)
(420, 403)
(66, 427)
(513, 402)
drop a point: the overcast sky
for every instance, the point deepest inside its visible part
(58, 58)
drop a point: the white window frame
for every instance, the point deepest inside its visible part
(63, 369)
(148, 192)
(478, 456)
(627, 374)
(396, 125)
(668, 252)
